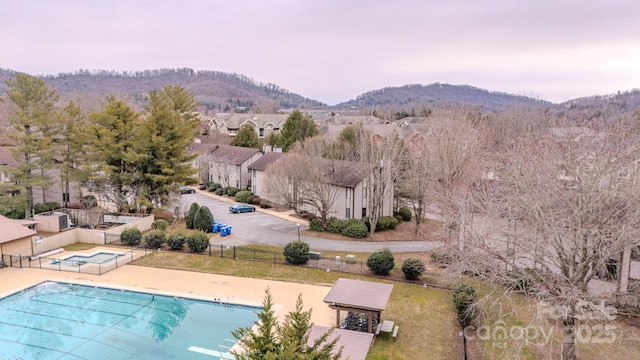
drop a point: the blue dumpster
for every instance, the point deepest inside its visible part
(229, 230)
(223, 231)
(216, 226)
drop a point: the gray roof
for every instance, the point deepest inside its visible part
(237, 120)
(266, 160)
(343, 173)
(355, 344)
(201, 148)
(6, 158)
(235, 155)
(359, 294)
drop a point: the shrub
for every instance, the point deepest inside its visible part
(203, 219)
(231, 190)
(241, 196)
(386, 223)
(213, 190)
(48, 206)
(399, 218)
(297, 252)
(191, 215)
(131, 236)
(355, 229)
(335, 225)
(52, 205)
(161, 214)
(412, 268)
(523, 280)
(443, 256)
(89, 202)
(197, 241)
(219, 191)
(250, 198)
(405, 213)
(256, 200)
(315, 225)
(381, 262)
(154, 238)
(265, 204)
(203, 187)
(464, 296)
(176, 240)
(160, 225)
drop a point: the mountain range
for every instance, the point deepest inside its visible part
(224, 92)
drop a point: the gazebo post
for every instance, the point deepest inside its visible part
(370, 323)
(337, 318)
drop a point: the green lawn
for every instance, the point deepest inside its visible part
(425, 315)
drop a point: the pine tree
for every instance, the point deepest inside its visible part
(247, 137)
(71, 149)
(263, 342)
(298, 127)
(165, 135)
(113, 145)
(285, 341)
(32, 121)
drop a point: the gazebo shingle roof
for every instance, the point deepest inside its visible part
(358, 294)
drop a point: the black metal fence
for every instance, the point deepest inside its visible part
(345, 263)
(67, 263)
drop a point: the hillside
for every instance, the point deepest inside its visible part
(440, 95)
(215, 91)
(226, 92)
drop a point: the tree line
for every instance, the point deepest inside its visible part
(134, 159)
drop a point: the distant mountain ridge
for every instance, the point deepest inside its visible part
(441, 94)
(218, 91)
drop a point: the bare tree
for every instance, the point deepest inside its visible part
(279, 183)
(381, 161)
(221, 169)
(567, 204)
(317, 180)
(442, 165)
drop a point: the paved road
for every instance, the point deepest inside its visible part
(269, 227)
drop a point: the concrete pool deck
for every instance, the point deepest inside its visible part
(246, 291)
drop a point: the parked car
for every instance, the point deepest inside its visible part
(240, 208)
(186, 190)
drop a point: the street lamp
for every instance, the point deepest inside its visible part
(298, 225)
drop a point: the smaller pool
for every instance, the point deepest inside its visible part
(97, 258)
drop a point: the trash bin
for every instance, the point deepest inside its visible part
(338, 260)
(215, 227)
(229, 230)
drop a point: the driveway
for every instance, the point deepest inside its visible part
(274, 228)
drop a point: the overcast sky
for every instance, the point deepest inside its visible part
(335, 50)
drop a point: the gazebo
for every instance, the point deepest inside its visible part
(357, 296)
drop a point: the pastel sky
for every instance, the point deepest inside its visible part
(335, 50)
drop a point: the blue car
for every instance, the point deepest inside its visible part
(240, 208)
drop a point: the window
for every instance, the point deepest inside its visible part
(364, 192)
(347, 214)
(364, 212)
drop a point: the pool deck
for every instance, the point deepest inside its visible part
(246, 291)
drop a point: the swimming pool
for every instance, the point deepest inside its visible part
(97, 258)
(67, 321)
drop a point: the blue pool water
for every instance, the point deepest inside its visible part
(67, 321)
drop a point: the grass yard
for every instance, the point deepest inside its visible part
(425, 315)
